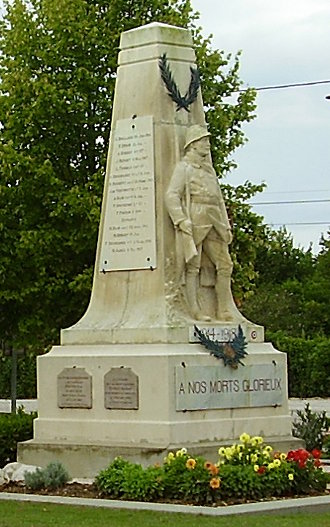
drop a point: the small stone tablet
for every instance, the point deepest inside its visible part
(121, 389)
(74, 388)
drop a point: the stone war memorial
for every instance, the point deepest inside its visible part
(162, 359)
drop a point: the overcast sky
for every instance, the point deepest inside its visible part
(283, 42)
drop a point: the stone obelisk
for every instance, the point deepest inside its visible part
(131, 378)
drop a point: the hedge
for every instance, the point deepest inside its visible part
(13, 429)
(308, 364)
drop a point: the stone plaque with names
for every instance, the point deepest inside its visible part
(121, 389)
(216, 387)
(74, 388)
(129, 234)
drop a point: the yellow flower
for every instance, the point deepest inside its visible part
(276, 463)
(181, 452)
(282, 456)
(268, 449)
(228, 453)
(271, 466)
(215, 483)
(221, 451)
(191, 463)
(291, 477)
(169, 458)
(254, 458)
(245, 438)
(256, 468)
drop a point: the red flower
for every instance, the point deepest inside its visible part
(316, 453)
(261, 470)
(317, 463)
(300, 456)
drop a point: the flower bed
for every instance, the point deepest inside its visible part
(246, 471)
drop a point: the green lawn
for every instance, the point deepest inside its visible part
(19, 514)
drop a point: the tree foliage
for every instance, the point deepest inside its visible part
(57, 68)
(292, 288)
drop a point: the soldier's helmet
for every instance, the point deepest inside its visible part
(194, 133)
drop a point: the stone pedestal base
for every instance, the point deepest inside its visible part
(141, 401)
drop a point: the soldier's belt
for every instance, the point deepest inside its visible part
(204, 201)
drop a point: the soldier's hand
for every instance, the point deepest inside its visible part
(229, 236)
(186, 226)
(226, 234)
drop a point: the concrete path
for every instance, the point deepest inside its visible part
(291, 506)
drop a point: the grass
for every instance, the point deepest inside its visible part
(19, 514)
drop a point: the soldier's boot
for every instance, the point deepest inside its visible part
(191, 293)
(226, 308)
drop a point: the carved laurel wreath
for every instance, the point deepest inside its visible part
(172, 88)
(231, 352)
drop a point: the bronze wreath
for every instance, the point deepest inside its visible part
(172, 88)
(231, 352)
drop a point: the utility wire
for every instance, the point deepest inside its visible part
(281, 86)
(296, 191)
(289, 202)
(299, 223)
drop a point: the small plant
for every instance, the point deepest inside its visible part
(188, 478)
(312, 427)
(326, 447)
(53, 476)
(110, 481)
(144, 484)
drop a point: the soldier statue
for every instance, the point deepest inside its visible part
(195, 204)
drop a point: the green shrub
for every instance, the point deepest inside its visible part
(53, 476)
(188, 478)
(110, 480)
(142, 484)
(312, 427)
(13, 429)
(241, 481)
(122, 479)
(326, 447)
(308, 364)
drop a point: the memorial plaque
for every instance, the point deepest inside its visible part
(121, 389)
(209, 387)
(129, 235)
(74, 388)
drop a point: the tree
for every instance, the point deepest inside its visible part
(57, 69)
(292, 288)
